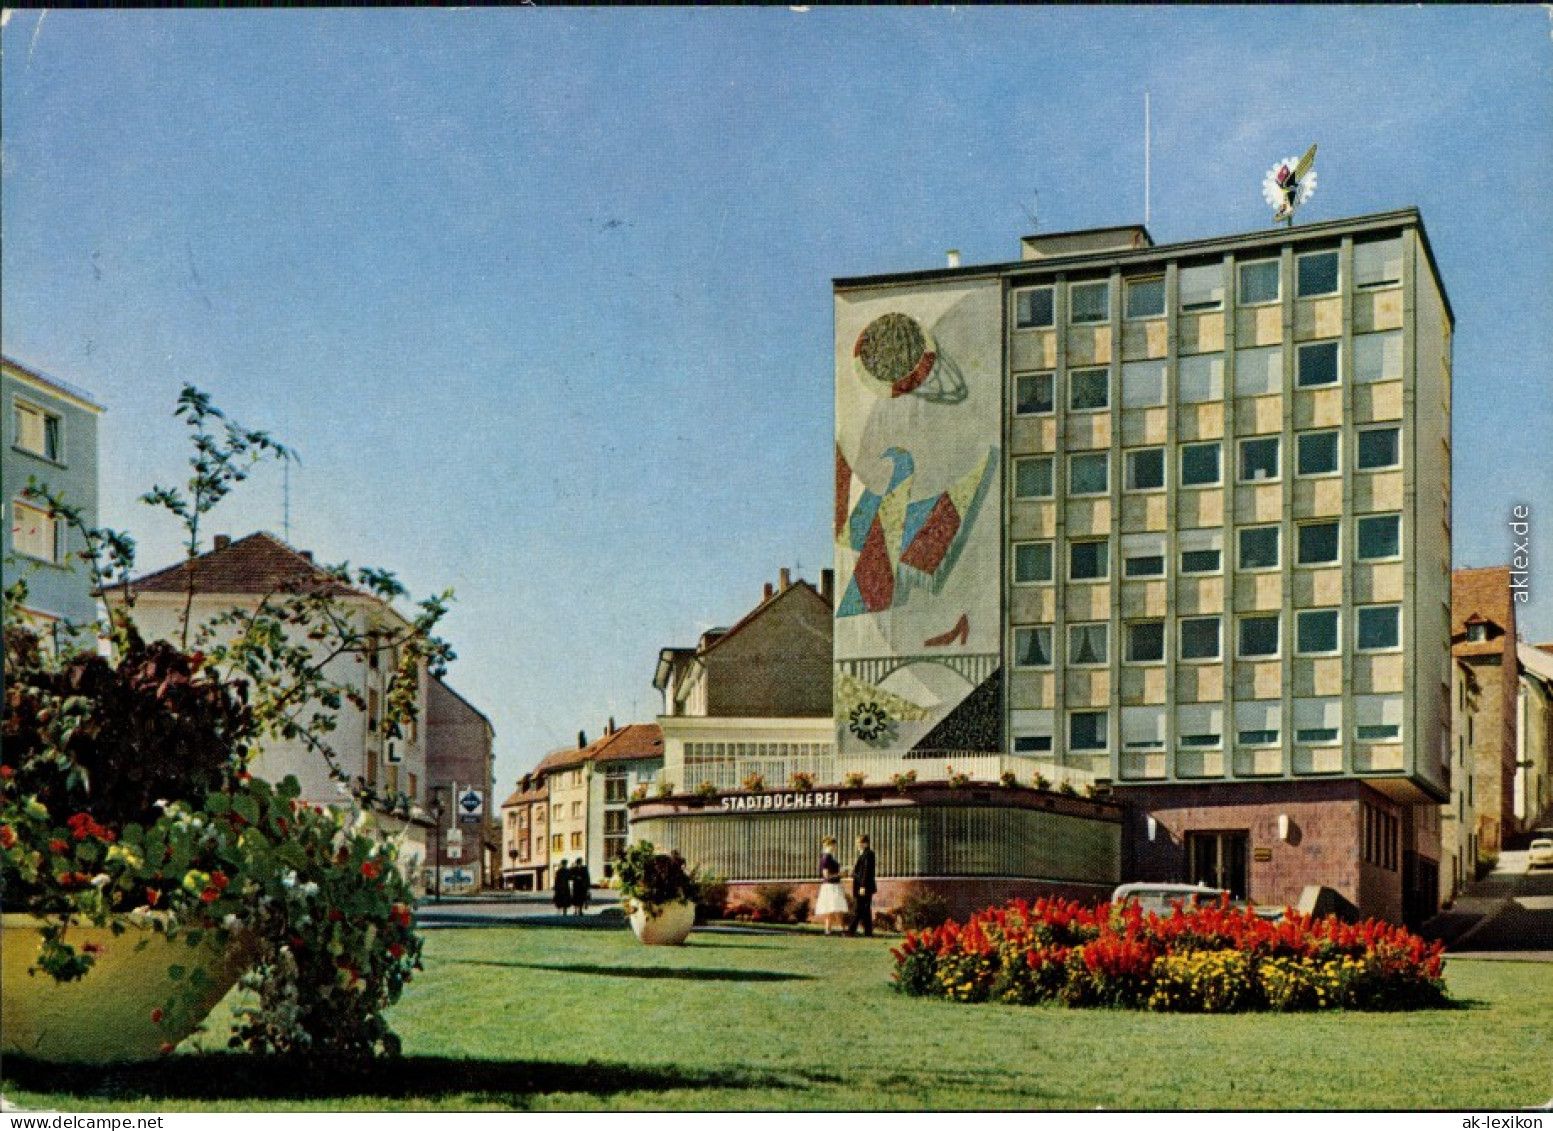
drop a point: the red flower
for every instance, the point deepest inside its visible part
(156, 1016)
(167, 1047)
(7, 772)
(92, 948)
(152, 896)
(399, 915)
(219, 881)
(336, 915)
(371, 870)
(57, 845)
(209, 895)
(396, 951)
(7, 836)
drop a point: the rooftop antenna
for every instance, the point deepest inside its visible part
(1147, 148)
(1033, 215)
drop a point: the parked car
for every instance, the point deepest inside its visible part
(1539, 854)
(1162, 898)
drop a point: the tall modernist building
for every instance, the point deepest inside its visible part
(1176, 517)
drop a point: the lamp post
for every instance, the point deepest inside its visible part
(436, 840)
(512, 855)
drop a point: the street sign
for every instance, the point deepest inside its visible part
(471, 803)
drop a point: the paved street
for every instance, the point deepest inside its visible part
(499, 909)
(1507, 914)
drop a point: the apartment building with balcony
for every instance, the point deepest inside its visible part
(1174, 518)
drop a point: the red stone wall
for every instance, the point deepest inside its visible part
(1324, 846)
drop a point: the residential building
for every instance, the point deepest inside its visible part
(49, 435)
(566, 776)
(1458, 817)
(1175, 518)
(1483, 640)
(525, 836)
(242, 574)
(459, 757)
(1534, 739)
(626, 762)
(754, 699)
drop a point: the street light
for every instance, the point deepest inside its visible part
(436, 840)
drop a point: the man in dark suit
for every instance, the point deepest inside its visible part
(864, 884)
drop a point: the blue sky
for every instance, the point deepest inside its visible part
(542, 298)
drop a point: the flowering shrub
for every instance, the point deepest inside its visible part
(854, 780)
(1212, 959)
(957, 779)
(902, 782)
(651, 880)
(124, 784)
(1008, 779)
(755, 782)
(801, 781)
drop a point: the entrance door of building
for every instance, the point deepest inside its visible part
(1219, 860)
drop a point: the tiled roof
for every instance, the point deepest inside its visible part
(562, 759)
(522, 796)
(258, 564)
(1482, 593)
(630, 743)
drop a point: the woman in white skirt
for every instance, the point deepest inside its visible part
(831, 906)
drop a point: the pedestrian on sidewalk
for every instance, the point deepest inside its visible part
(864, 884)
(582, 885)
(831, 906)
(563, 887)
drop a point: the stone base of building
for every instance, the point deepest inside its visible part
(962, 895)
(1269, 841)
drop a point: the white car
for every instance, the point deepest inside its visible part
(1539, 854)
(1162, 898)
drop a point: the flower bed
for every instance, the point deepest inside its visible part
(1213, 959)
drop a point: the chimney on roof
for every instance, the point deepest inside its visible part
(307, 555)
(770, 589)
(787, 578)
(953, 256)
(223, 541)
(582, 739)
(609, 728)
(828, 586)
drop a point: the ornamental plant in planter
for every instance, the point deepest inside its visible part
(658, 894)
(131, 825)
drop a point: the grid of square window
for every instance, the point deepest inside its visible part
(1200, 378)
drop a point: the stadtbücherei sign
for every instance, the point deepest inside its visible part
(819, 799)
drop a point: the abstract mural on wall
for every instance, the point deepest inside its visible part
(916, 522)
(902, 541)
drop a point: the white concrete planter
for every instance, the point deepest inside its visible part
(670, 927)
(107, 1015)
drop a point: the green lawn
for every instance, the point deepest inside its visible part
(562, 1019)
